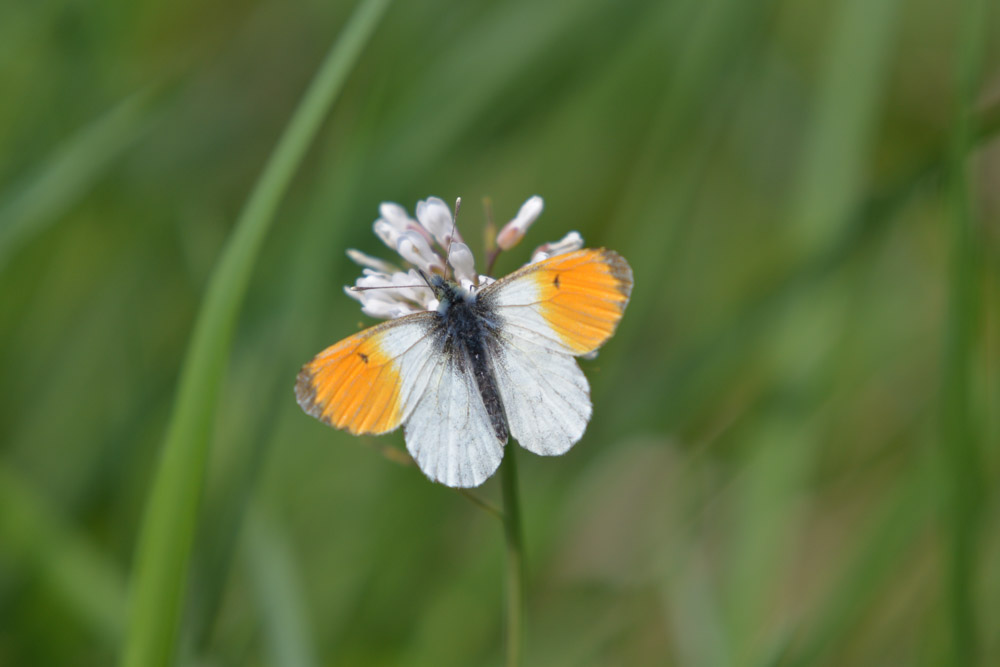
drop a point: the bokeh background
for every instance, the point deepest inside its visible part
(794, 450)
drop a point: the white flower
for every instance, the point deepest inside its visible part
(464, 264)
(514, 231)
(370, 262)
(436, 218)
(431, 245)
(569, 243)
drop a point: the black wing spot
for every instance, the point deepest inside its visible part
(555, 281)
(364, 357)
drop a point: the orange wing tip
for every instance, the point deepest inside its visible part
(305, 395)
(614, 266)
(353, 385)
(620, 271)
(583, 295)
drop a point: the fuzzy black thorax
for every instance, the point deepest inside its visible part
(466, 331)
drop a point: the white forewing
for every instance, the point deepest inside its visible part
(448, 432)
(417, 364)
(360, 383)
(544, 392)
(516, 301)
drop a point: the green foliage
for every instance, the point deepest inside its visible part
(793, 453)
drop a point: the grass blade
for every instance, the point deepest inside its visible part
(963, 484)
(168, 528)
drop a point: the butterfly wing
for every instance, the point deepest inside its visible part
(545, 395)
(450, 434)
(549, 312)
(397, 373)
(569, 302)
(371, 381)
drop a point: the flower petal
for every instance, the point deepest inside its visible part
(463, 262)
(415, 249)
(413, 287)
(387, 232)
(395, 215)
(395, 222)
(569, 243)
(514, 231)
(387, 310)
(369, 262)
(435, 216)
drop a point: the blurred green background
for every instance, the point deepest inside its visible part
(794, 448)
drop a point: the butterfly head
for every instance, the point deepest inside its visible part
(448, 292)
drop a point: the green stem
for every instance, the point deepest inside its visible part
(515, 558)
(166, 535)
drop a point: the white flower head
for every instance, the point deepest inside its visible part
(431, 245)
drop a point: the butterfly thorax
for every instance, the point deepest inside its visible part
(449, 293)
(466, 331)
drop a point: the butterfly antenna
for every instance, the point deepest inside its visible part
(356, 288)
(451, 238)
(424, 276)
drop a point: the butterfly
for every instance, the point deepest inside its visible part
(488, 363)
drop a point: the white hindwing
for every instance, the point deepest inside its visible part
(544, 393)
(449, 433)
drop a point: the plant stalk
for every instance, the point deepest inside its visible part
(515, 559)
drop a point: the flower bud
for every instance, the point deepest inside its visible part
(514, 231)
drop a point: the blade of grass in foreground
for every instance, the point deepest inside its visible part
(963, 485)
(168, 527)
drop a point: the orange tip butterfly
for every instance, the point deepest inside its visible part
(487, 363)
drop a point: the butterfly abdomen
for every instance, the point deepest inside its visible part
(466, 334)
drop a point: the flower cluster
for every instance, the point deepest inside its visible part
(432, 245)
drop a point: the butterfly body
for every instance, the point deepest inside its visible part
(488, 363)
(466, 331)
